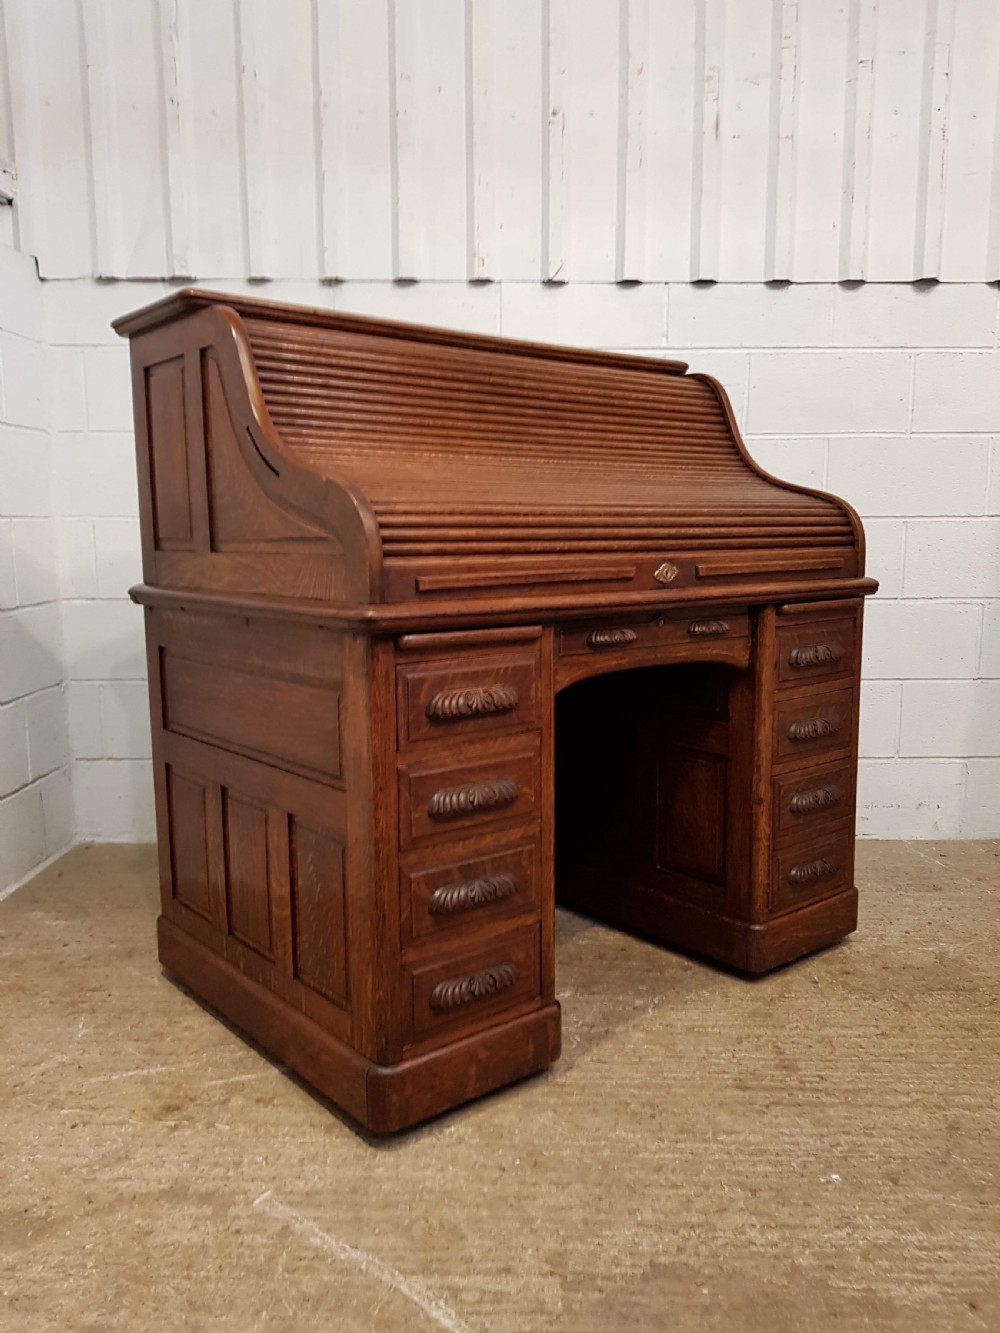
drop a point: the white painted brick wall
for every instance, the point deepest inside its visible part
(887, 395)
(36, 817)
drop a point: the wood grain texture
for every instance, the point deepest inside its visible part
(439, 626)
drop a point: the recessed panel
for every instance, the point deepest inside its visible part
(187, 801)
(319, 924)
(168, 454)
(248, 884)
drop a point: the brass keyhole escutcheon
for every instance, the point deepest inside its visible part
(666, 572)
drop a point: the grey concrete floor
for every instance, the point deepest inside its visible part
(816, 1150)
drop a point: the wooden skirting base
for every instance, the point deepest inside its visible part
(736, 944)
(382, 1099)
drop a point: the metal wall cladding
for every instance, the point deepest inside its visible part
(565, 140)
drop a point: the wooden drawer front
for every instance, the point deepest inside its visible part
(811, 725)
(605, 636)
(813, 798)
(473, 988)
(453, 895)
(817, 650)
(472, 694)
(811, 869)
(449, 799)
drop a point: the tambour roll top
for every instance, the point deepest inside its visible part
(482, 467)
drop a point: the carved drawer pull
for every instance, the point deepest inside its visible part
(473, 701)
(453, 802)
(471, 893)
(820, 654)
(479, 986)
(708, 629)
(812, 729)
(808, 872)
(806, 802)
(610, 638)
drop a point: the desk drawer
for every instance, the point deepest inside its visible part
(455, 797)
(820, 649)
(473, 988)
(812, 869)
(807, 800)
(639, 632)
(469, 695)
(448, 894)
(810, 726)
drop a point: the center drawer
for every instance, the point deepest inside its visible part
(605, 636)
(448, 797)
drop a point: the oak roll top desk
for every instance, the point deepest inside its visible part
(442, 628)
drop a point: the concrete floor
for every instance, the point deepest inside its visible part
(817, 1150)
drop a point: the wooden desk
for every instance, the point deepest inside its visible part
(443, 629)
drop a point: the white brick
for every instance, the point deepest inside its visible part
(8, 579)
(119, 557)
(730, 369)
(940, 475)
(989, 662)
(95, 476)
(57, 810)
(67, 396)
(125, 720)
(20, 293)
(960, 717)
(103, 641)
(749, 315)
(26, 490)
(472, 308)
(952, 559)
(80, 311)
(825, 393)
(83, 708)
(879, 718)
(981, 812)
(920, 640)
(907, 799)
(15, 770)
(114, 800)
(29, 651)
(884, 554)
(23, 383)
(48, 739)
(22, 835)
(993, 492)
(956, 391)
(880, 314)
(801, 461)
(109, 388)
(77, 558)
(586, 315)
(36, 563)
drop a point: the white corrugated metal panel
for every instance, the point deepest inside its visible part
(573, 140)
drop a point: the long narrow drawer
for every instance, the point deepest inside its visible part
(447, 895)
(811, 869)
(445, 798)
(605, 636)
(820, 649)
(472, 694)
(808, 727)
(809, 800)
(476, 987)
